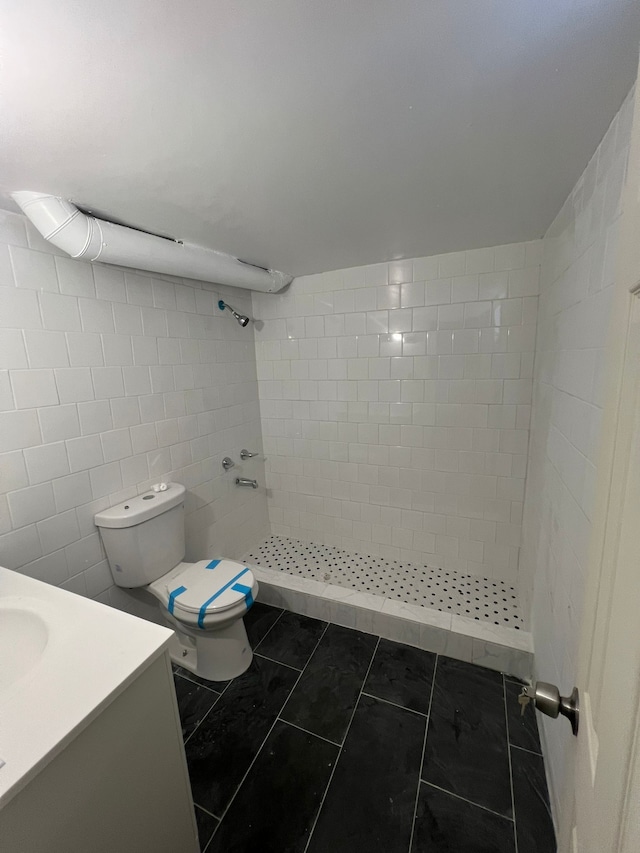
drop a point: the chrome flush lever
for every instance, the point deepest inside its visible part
(244, 454)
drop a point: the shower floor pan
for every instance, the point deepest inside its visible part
(466, 617)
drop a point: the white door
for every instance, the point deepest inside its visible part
(602, 813)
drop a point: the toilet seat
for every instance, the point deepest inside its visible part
(199, 594)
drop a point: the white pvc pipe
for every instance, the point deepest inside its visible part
(91, 239)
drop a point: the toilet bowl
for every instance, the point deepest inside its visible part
(203, 602)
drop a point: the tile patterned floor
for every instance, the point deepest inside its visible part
(452, 592)
(335, 741)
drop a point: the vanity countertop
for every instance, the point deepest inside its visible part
(63, 659)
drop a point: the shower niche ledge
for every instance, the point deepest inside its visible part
(476, 639)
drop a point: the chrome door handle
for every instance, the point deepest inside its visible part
(547, 699)
(244, 454)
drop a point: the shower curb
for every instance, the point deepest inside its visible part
(501, 649)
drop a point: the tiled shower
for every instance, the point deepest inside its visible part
(395, 403)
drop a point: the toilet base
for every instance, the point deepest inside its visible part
(212, 655)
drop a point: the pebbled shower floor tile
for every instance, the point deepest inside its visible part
(475, 597)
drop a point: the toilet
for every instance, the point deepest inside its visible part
(203, 602)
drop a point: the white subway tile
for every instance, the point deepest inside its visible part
(452, 264)
(12, 229)
(33, 388)
(139, 289)
(437, 292)
(84, 452)
(524, 282)
(20, 547)
(479, 261)
(98, 579)
(426, 268)
(105, 479)
(137, 380)
(109, 283)
(59, 312)
(46, 462)
(31, 504)
(94, 416)
(52, 568)
(12, 350)
(127, 319)
(107, 382)
(19, 309)
(75, 278)
(85, 349)
(464, 288)
(401, 320)
(509, 257)
(14, 472)
(33, 270)
(19, 430)
(402, 271)
(116, 444)
(46, 349)
(84, 553)
(493, 285)
(74, 384)
(58, 531)
(96, 315)
(72, 491)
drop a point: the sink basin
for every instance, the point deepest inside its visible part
(63, 659)
(23, 639)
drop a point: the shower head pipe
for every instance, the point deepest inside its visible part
(242, 319)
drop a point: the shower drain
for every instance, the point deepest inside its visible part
(475, 597)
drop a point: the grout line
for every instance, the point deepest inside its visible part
(344, 739)
(307, 732)
(198, 684)
(273, 660)
(364, 681)
(524, 749)
(471, 803)
(213, 705)
(271, 627)
(513, 804)
(424, 749)
(255, 757)
(395, 704)
(202, 809)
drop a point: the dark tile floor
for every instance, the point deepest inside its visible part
(335, 741)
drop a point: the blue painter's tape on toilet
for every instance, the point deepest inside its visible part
(200, 594)
(203, 609)
(173, 595)
(246, 591)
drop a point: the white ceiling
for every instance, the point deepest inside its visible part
(308, 135)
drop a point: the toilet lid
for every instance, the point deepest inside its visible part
(206, 587)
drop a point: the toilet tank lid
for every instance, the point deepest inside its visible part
(141, 508)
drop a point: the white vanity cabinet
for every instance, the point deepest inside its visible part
(90, 737)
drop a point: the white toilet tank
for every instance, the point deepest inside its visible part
(144, 537)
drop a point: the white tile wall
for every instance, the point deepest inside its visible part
(575, 301)
(110, 380)
(395, 403)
